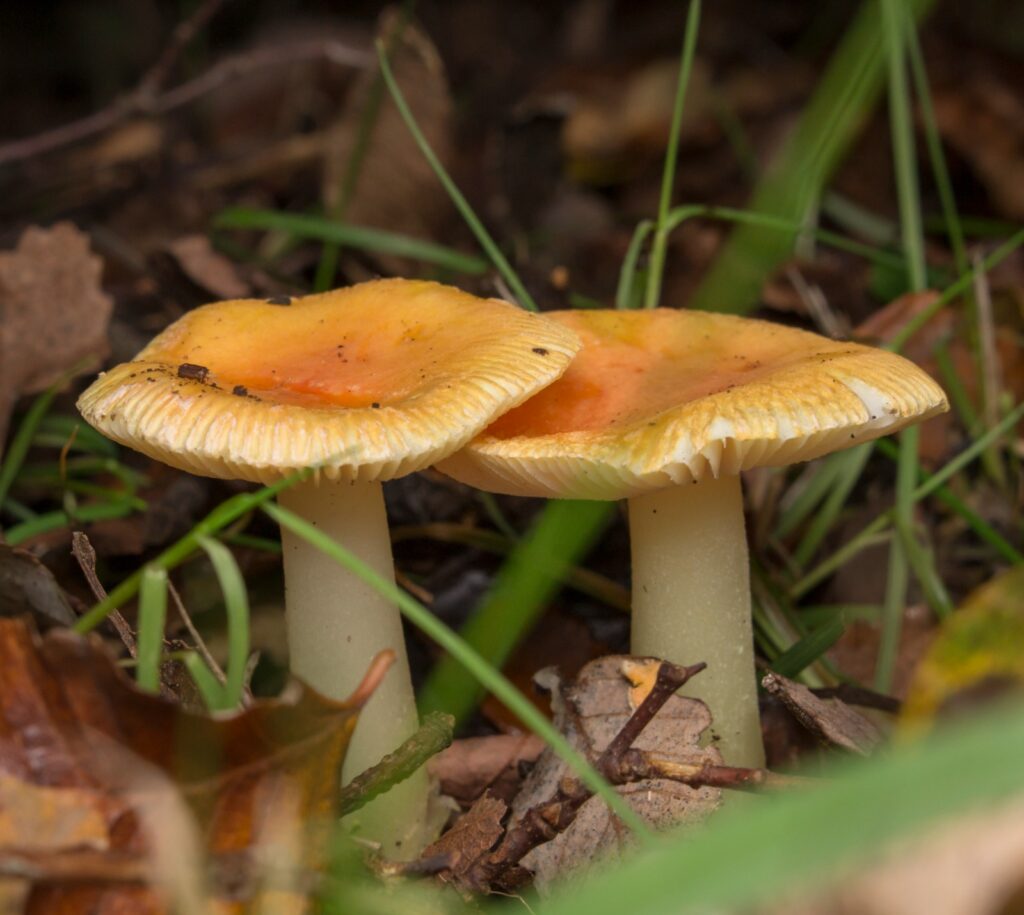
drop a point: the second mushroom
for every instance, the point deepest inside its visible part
(666, 408)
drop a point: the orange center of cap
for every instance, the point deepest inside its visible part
(637, 364)
(323, 350)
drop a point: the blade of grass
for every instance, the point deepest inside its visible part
(487, 675)
(536, 567)
(659, 246)
(869, 533)
(858, 811)
(229, 510)
(626, 292)
(358, 237)
(961, 285)
(842, 100)
(502, 265)
(208, 685)
(979, 525)
(51, 521)
(236, 606)
(820, 477)
(584, 580)
(152, 616)
(849, 465)
(22, 440)
(811, 647)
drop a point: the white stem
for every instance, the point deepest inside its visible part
(691, 602)
(336, 624)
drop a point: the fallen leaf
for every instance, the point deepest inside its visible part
(591, 711)
(27, 586)
(397, 189)
(469, 767)
(53, 313)
(199, 273)
(474, 834)
(831, 720)
(977, 655)
(982, 120)
(40, 818)
(70, 720)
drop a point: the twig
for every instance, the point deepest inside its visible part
(140, 103)
(545, 821)
(85, 555)
(638, 765)
(153, 80)
(197, 640)
(432, 737)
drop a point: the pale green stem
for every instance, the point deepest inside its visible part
(336, 624)
(691, 602)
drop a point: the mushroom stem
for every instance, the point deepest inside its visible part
(691, 602)
(336, 623)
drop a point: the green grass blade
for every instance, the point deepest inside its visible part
(208, 685)
(842, 100)
(536, 568)
(358, 237)
(152, 616)
(491, 678)
(22, 440)
(492, 250)
(626, 292)
(811, 647)
(870, 533)
(849, 466)
(904, 155)
(961, 285)
(51, 521)
(787, 843)
(236, 605)
(660, 245)
(224, 514)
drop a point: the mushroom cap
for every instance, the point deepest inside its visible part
(365, 383)
(660, 397)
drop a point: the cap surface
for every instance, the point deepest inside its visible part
(660, 397)
(369, 382)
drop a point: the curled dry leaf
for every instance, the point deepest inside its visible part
(27, 586)
(53, 313)
(591, 711)
(977, 656)
(71, 721)
(830, 720)
(469, 767)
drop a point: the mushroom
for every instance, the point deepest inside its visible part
(365, 384)
(657, 401)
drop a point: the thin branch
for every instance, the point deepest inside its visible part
(85, 555)
(138, 102)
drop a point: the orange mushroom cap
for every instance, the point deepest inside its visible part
(369, 382)
(660, 397)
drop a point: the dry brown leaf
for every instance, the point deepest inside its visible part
(474, 834)
(396, 190)
(53, 313)
(206, 274)
(27, 586)
(590, 712)
(831, 720)
(983, 120)
(71, 721)
(471, 766)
